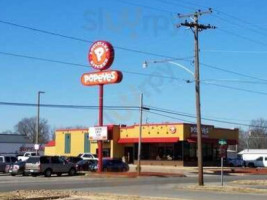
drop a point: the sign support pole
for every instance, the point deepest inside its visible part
(222, 171)
(99, 142)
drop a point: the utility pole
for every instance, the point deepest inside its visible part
(140, 136)
(196, 28)
(38, 121)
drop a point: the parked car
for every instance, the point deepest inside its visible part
(254, 157)
(85, 165)
(17, 168)
(236, 162)
(48, 165)
(73, 159)
(261, 161)
(26, 155)
(88, 156)
(111, 165)
(5, 162)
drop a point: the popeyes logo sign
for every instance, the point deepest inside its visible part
(102, 77)
(101, 57)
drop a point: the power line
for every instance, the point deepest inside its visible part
(81, 39)
(207, 119)
(88, 41)
(234, 81)
(233, 51)
(69, 106)
(86, 66)
(234, 88)
(132, 108)
(241, 26)
(192, 115)
(243, 37)
(232, 72)
(139, 73)
(145, 6)
(183, 120)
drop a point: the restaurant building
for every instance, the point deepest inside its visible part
(162, 144)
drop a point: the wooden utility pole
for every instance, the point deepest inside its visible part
(140, 136)
(196, 28)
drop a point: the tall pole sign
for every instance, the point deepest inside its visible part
(101, 56)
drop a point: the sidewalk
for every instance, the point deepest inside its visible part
(192, 171)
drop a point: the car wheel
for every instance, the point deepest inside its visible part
(13, 174)
(251, 165)
(72, 172)
(34, 175)
(59, 174)
(48, 173)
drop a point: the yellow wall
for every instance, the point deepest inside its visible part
(50, 151)
(182, 131)
(117, 150)
(77, 141)
(153, 131)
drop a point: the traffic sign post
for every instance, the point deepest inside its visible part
(223, 154)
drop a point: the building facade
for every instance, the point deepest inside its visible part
(162, 144)
(14, 144)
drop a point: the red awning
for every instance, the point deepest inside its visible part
(211, 140)
(51, 143)
(148, 140)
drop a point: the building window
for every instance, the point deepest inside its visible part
(67, 143)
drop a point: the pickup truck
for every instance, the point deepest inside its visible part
(26, 156)
(259, 162)
(88, 156)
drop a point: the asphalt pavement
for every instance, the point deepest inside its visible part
(142, 186)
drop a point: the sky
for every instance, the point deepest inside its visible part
(232, 56)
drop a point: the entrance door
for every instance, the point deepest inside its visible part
(128, 153)
(67, 143)
(86, 143)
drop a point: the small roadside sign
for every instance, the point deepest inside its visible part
(222, 142)
(223, 151)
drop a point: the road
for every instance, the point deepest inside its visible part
(143, 186)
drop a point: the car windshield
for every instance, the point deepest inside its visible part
(33, 160)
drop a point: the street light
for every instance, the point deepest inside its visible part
(145, 65)
(36, 146)
(198, 111)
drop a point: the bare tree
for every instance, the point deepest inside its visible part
(243, 139)
(257, 134)
(27, 126)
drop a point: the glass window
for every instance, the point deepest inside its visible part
(13, 159)
(260, 159)
(44, 160)
(33, 160)
(27, 154)
(1, 159)
(8, 159)
(56, 160)
(265, 158)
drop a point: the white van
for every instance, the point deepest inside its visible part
(254, 157)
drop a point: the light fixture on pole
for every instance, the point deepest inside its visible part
(37, 146)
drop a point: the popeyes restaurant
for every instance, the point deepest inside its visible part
(162, 144)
